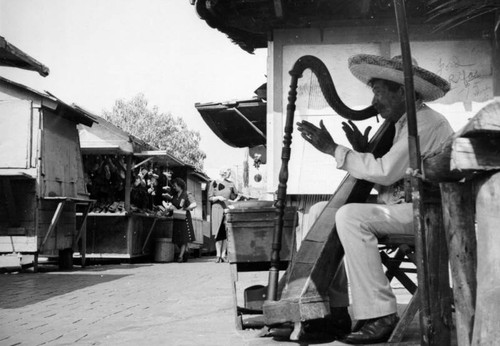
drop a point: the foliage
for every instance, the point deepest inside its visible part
(160, 130)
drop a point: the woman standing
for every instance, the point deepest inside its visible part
(184, 233)
(221, 193)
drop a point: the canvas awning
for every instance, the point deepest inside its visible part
(239, 124)
(12, 56)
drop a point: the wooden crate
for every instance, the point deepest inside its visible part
(250, 232)
(124, 236)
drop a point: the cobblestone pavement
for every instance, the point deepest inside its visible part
(124, 304)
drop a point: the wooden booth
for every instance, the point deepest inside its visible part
(197, 188)
(41, 175)
(124, 223)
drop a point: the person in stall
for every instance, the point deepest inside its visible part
(182, 202)
(221, 193)
(360, 224)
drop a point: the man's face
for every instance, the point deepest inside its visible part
(390, 104)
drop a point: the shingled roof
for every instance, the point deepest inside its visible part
(249, 23)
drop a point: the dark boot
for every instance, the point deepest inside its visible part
(374, 330)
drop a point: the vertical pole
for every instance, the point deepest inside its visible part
(272, 292)
(128, 183)
(416, 184)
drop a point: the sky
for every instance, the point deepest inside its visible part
(101, 51)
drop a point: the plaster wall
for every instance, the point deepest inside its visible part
(465, 62)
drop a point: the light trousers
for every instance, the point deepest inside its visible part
(358, 226)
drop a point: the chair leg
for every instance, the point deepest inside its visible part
(406, 319)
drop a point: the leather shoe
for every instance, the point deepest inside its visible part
(336, 325)
(374, 330)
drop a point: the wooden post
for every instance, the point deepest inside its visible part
(458, 217)
(439, 292)
(487, 319)
(128, 183)
(421, 243)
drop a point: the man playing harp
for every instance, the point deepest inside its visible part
(360, 224)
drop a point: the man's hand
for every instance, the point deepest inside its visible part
(319, 137)
(359, 142)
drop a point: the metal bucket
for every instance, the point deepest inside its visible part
(164, 250)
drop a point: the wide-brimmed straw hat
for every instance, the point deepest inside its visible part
(429, 85)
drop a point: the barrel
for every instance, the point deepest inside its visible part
(164, 250)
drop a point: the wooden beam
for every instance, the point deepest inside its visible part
(440, 321)
(149, 235)
(487, 319)
(128, 183)
(461, 238)
(53, 223)
(475, 154)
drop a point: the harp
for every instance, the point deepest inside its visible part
(303, 295)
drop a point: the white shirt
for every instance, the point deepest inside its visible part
(433, 130)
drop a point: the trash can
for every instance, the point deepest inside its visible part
(164, 250)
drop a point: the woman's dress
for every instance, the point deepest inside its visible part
(227, 189)
(183, 231)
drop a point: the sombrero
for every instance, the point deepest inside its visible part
(429, 85)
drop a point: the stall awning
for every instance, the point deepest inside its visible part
(104, 137)
(239, 124)
(12, 56)
(162, 156)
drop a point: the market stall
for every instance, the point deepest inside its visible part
(126, 177)
(196, 185)
(123, 223)
(41, 176)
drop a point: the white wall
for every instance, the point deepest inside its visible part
(465, 63)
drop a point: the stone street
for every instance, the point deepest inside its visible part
(126, 304)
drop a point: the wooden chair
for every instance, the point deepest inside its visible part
(396, 251)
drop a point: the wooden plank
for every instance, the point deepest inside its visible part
(461, 238)
(487, 319)
(128, 183)
(440, 321)
(18, 244)
(53, 224)
(475, 154)
(406, 319)
(148, 236)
